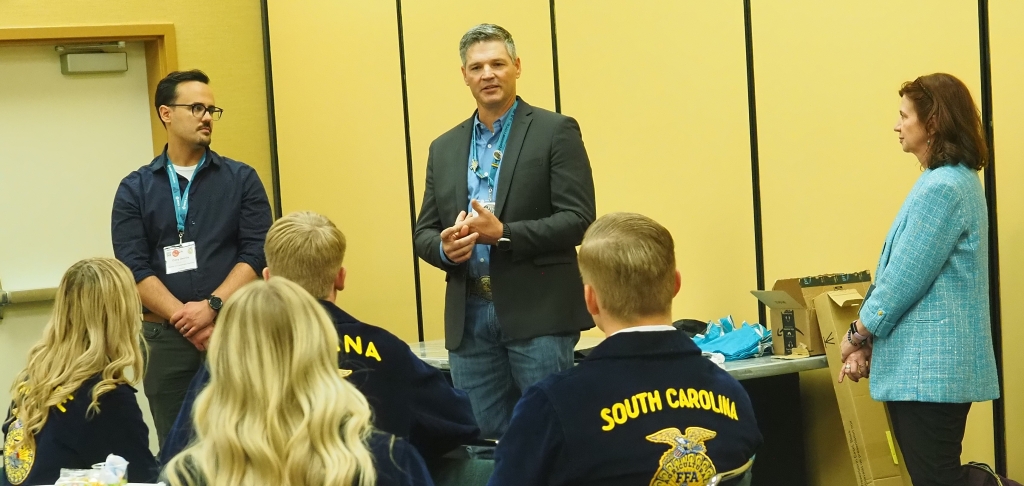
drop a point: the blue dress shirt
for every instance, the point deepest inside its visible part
(486, 144)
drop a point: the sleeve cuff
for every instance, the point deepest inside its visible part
(444, 258)
(141, 275)
(254, 264)
(876, 321)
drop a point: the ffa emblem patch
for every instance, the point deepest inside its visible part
(686, 463)
(17, 460)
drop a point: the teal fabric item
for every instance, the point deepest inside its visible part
(929, 308)
(746, 342)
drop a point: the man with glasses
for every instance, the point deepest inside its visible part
(190, 225)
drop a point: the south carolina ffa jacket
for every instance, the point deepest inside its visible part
(409, 398)
(644, 408)
(72, 439)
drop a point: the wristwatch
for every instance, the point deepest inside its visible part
(505, 242)
(215, 303)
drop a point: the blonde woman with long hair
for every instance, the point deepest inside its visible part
(74, 404)
(277, 410)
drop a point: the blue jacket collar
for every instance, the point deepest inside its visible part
(633, 344)
(338, 316)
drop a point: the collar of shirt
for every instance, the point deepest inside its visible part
(160, 163)
(500, 122)
(660, 327)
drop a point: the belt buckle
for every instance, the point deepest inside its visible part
(481, 287)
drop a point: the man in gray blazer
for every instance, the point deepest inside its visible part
(509, 194)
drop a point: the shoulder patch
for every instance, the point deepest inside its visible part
(18, 460)
(687, 462)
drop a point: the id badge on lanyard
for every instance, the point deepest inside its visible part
(490, 175)
(181, 257)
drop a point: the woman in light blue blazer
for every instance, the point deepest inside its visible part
(924, 332)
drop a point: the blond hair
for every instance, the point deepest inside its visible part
(629, 260)
(276, 410)
(308, 249)
(95, 328)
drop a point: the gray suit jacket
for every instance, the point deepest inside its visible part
(545, 196)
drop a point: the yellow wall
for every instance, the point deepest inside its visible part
(341, 145)
(1005, 18)
(439, 98)
(832, 173)
(222, 38)
(661, 97)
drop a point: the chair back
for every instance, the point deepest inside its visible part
(722, 477)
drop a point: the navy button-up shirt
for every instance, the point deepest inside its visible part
(228, 218)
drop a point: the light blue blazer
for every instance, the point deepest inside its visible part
(929, 309)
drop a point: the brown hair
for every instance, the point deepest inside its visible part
(306, 248)
(630, 261)
(952, 120)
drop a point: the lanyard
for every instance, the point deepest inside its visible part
(181, 203)
(500, 149)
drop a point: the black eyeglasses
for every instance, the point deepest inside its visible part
(199, 110)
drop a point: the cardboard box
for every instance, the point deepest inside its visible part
(791, 302)
(868, 436)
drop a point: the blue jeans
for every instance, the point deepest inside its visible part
(494, 371)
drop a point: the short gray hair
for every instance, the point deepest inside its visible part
(485, 33)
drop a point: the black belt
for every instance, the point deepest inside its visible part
(155, 319)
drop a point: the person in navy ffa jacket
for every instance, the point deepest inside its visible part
(409, 398)
(645, 407)
(277, 411)
(73, 404)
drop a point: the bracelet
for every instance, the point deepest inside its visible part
(849, 337)
(853, 333)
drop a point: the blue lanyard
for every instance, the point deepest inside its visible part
(181, 203)
(500, 150)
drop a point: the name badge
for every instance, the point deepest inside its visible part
(181, 258)
(488, 206)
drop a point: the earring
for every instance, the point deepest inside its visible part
(929, 142)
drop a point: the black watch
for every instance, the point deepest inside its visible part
(215, 303)
(505, 242)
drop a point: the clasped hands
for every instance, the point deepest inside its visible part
(856, 360)
(480, 227)
(195, 321)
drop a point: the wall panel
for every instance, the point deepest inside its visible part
(341, 143)
(439, 98)
(1007, 48)
(661, 97)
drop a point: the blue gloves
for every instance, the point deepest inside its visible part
(721, 336)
